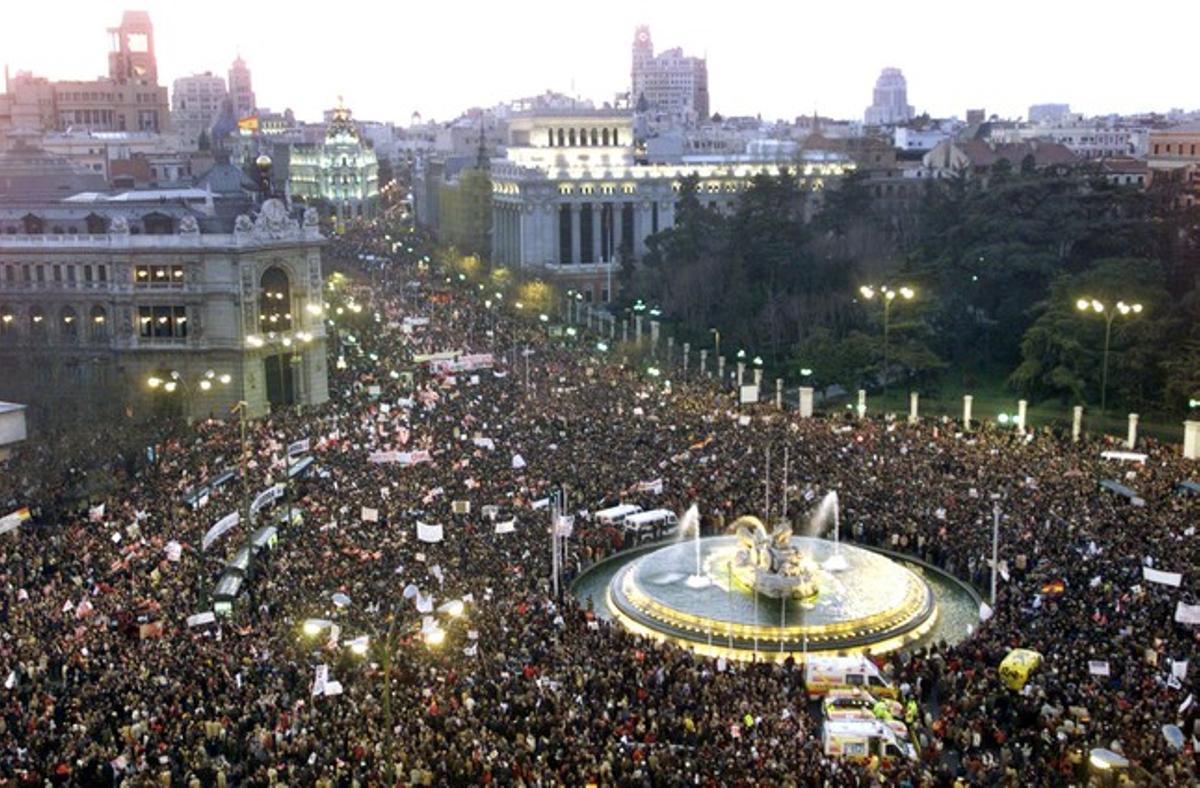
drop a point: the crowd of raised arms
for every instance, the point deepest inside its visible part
(106, 683)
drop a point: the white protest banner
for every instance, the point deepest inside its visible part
(1163, 578)
(485, 443)
(518, 462)
(506, 527)
(1179, 668)
(424, 603)
(174, 551)
(429, 533)
(985, 611)
(10, 521)
(382, 457)
(490, 511)
(743, 421)
(333, 688)
(564, 526)
(320, 679)
(370, 515)
(1130, 456)
(1098, 667)
(748, 395)
(438, 574)
(266, 498)
(299, 447)
(655, 486)
(1187, 614)
(461, 507)
(200, 619)
(96, 513)
(219, 528)
(541, 503)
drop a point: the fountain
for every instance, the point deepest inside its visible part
(828, 508)
(740, 587)
(690, 526)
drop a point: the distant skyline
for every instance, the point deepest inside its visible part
(774, 59)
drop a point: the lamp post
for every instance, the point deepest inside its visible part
(886, 295)
(171, 381)
(1091, 305)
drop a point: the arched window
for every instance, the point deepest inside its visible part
(604, 137)
(571, 137)
(37, 323)
(96, 225)
(275, 302)
(8, 322)
(158, 224)
(33, 225)
(560, 138)
(99, 324)
(68, 325)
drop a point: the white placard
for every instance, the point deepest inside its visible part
(429, 533)
(507, 527)
(370, 515)
(1098, 667)
(1164, 578)
(219, 528)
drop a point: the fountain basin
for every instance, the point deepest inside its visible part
(873, 604)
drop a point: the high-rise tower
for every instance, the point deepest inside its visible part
(131, 58)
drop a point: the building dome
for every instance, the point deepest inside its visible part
(28, 172)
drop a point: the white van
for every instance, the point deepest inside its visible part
(653, 524)
(616, 515)
(822, 674)
(863, 739)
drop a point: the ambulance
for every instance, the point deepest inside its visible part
(822, 674)
(863, 739)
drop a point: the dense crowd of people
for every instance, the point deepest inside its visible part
(105, 681)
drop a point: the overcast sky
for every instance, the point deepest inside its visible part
(780, 59)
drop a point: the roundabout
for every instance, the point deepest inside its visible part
(691, 593)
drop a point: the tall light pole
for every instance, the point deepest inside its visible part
(1091, 305)
(886, 295)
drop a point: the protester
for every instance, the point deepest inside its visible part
(107, 682)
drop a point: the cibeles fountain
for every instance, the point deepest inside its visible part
(769, 593)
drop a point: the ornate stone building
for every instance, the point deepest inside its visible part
(210, 318)
(569, 198)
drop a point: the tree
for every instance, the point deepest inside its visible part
(1063, 351)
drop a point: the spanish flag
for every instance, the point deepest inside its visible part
(9, 522)
(248, 124)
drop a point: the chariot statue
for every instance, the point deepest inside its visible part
(768, 562)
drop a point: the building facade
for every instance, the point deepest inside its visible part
(341, 169)
(569, 200)
(241, 91)
(196, 104)
(668, 84)
(128, 99)
(890, 100)
(234, 315)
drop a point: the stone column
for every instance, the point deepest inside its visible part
(618, 228)
(554, 236)
(1191, 440)
(967, 400)
(779, 393)
(914, 400)
(1131, 439)
(741, 372)
(638, 322)
(806, 402)
(687, 351)
(703, 362)
(721, 370)
(757, 378)
(625, 330)
(670, 350)
(1077, 424)
(654, 336)
(1022, 407)
(597, 229)
(862, 403)
(576, 244)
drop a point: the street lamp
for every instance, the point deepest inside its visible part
(887, 295)
(1093, 306)
(716, 341)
